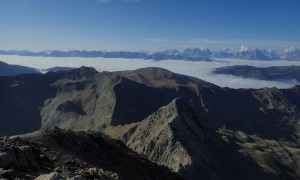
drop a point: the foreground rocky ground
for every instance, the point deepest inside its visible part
(62, 154)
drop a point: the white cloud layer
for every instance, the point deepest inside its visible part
(202, 70)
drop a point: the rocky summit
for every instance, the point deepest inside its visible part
(63, 154)
(192, 127)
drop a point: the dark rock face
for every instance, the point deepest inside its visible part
(69, 106)
(66, 154)
(132, 96)
(280, 73)
(21, 98)
(85, 99)
(178, 139)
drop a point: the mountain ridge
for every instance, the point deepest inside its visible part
(189, 125)
(192, 54)
(10, 70)
(179, 140)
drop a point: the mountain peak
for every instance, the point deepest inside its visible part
(166, 126)
(82, 72)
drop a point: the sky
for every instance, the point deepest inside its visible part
(148, 25)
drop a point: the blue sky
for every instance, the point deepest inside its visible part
(148, 24)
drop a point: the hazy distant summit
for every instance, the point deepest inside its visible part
(273, 73)
(12, 70)
(191, 54)
(9, 70)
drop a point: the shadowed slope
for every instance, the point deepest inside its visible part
(21, 97)
(175, 137)
(10, 70)
(255, 131)
(89, 155)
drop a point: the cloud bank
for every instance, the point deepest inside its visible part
(201, 70)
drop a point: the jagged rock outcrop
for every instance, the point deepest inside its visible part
(61, 154)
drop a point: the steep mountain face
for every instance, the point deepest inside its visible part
(268, 112)
(81, 103)
(84, 99)
(268, 73)
(116, 98)
(174, 137)
(214, 132)
(60, 154)
(22, 97)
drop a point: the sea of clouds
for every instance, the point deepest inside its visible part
(202, 69)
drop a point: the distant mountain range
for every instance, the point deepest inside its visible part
(195, 55)
(192, 54)
(268, 73)
(292, 55)
(193, 127)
